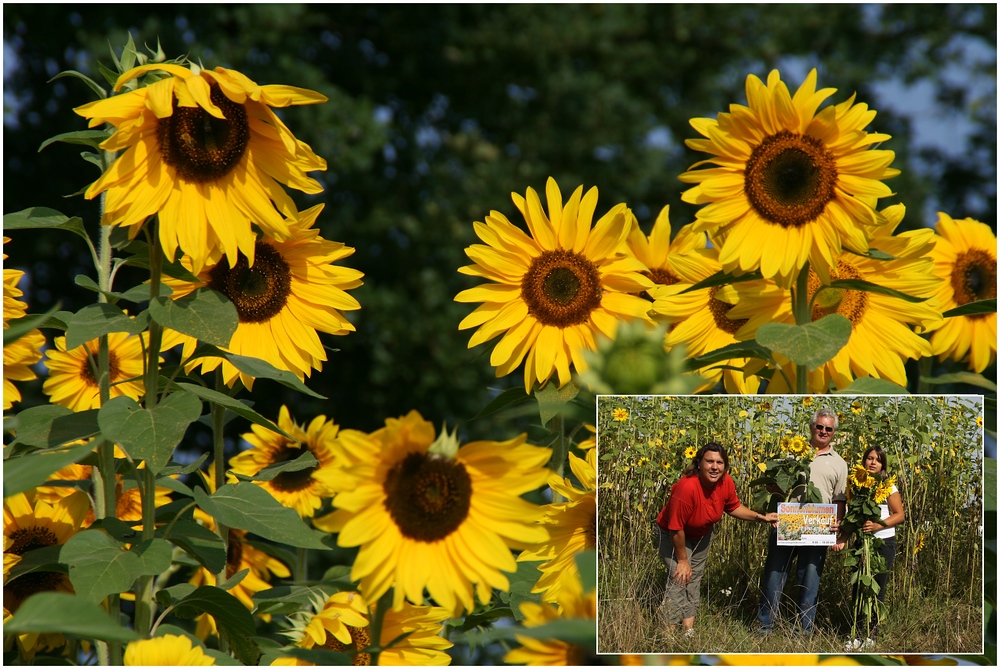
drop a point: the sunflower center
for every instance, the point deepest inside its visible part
(561, 288)
(591, 532)
(360, 638)
(234, 554)
(24, 540)
(659, 276)
(849, 303)
(719, 310)
(87, 370)
(790, 178)
(291, 481)
(974, 277)
(428, 497)
(259, 293)
(581, 656)
(201, 147)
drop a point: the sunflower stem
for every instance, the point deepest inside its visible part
(800, 307)
(926, 367)
(559, 449)
(301, 568)
(381, 608)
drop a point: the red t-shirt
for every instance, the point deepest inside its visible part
(694, 509)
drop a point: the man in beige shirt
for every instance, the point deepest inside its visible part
(828, 472)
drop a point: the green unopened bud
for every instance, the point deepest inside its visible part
(446, 445)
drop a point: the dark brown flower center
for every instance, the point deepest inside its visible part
(719, 310)
(360, 639)
(428, 497)
(849, 303)
(234, 553)
(659, 276)
(561, 288)
(790, 178)
(201, 147)
(974, 277)
(291, 481)
(591, 531)
(259, 293)
(89, 366)
(19, 589)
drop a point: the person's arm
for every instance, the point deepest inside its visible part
(682, 575)
(896, 515)
(743, 513)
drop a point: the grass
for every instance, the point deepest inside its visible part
(628, 621)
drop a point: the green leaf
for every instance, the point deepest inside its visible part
(721, 279)
(971, 309)
(740, 349)
(92, 138)
(28, 471)
(874, 254)
(868, 287)
(234, 580)
(43, 218)
(50, 425)
(990, 485)
(521, 583)
(84, 78)
(586, 564)
(246, 506)
(970, 378)
(572, 630)
(99, 566)
(18, 327)
(174, 469)
(40, 559)
(167, 596)
(149, 435)
(811, 344)
(58, 612)
(507, 398)
(139, 294)
(206, 315)
(260, 369)
(232, 404)
(868, 385)
(552, 401)
(288, 598)
(99, 319)
(234, 622)
(305, 461)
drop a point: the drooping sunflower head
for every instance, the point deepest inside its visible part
(194, 141)
(859, 476)
(555, 289)
(790, 182)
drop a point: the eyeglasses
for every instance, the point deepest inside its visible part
(823, 428)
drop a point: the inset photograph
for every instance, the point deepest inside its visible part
(790, 524)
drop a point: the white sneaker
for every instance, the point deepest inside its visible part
(868, 644)
(853, 645)
(688, 633)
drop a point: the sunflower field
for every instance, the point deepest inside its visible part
(359, 334)
(934, 447)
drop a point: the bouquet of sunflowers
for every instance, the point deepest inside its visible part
(785, 476)
(865, 492)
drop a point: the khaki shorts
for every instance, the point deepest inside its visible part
(681, 602)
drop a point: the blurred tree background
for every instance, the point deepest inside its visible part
(437, 113)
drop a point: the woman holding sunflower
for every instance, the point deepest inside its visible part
(685, 526)
(890, 504)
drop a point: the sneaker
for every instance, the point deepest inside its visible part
(868, 644)
(852, 645)
(688, 633)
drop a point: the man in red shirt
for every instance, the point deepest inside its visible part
(697, 501)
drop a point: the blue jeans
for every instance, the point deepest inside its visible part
(809, 567)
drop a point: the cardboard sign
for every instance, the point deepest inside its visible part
(806, 524)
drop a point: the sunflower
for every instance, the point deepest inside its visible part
(428, 514)
(789, 184)
(881, 339)
(665, 261)
(979, 421)
(965, 258)
(572, 527)
(591, 440)
(31, 524)
(860, 478)
(19, 355)
(205, 152)
(884, 489)
(919, 545)
(784, 660)
(690, 452)
(703, 323)
(292, 292)
(72, 379)
(807, 401)
(620, 414)
(342, 624)
(303, 490)
(555, 290)
(169, 650)
(797, 445)
(573, 603)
